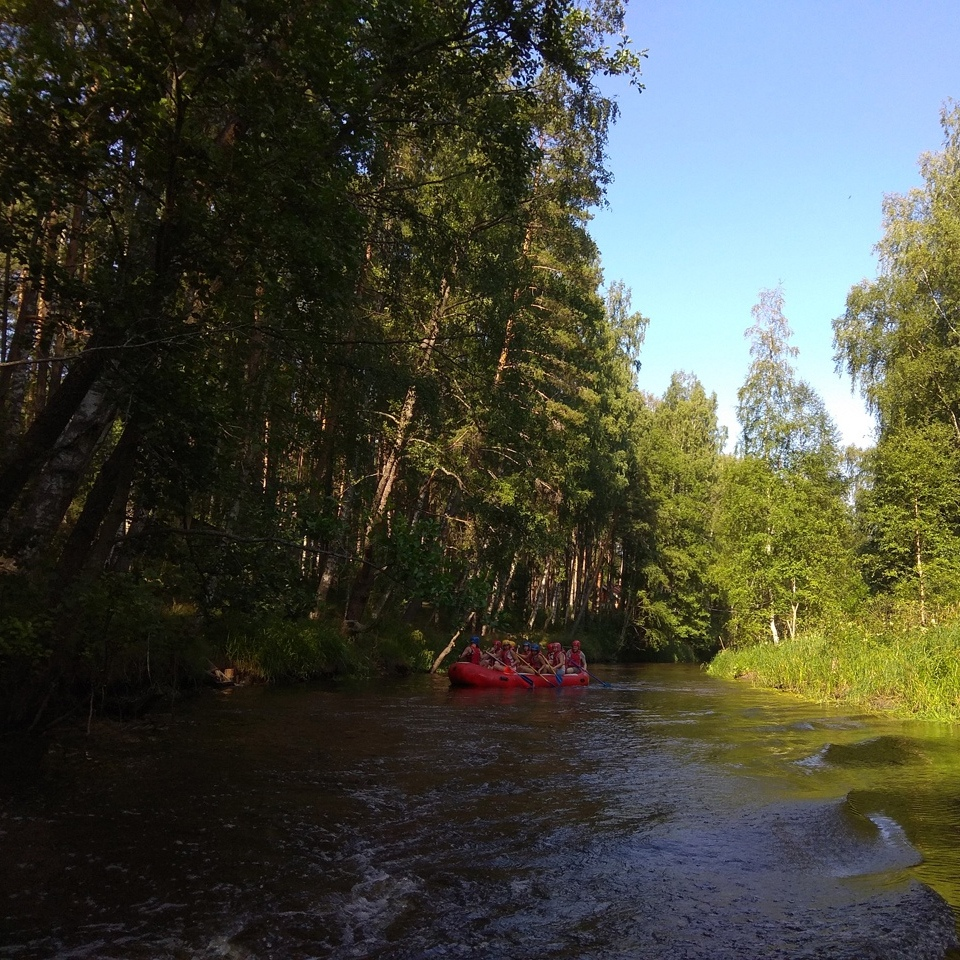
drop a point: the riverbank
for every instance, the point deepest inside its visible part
(912, 672)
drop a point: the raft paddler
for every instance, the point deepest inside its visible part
(508, 659)
(471, 652)
(491, 657)
(556, 658)
(541, 662)
(576, 662)
(525, 658)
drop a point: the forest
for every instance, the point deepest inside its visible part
(309, 367)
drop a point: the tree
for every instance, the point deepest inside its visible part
(296, 291)
(782, 419)
(910, 513)
(495, 297)
(899, 341)
(783, 520)
(898, 337)
(682, 452)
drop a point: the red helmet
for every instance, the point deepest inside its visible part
(576, 644)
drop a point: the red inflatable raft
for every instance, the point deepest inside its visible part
(470, 675)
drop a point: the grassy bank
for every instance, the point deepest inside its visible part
(913, 672)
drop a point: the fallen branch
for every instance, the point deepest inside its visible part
(446, 650)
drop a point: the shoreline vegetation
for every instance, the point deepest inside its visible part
(911, 672)
(140, 656)
(309, 369)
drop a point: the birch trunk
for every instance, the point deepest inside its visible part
(46, 505)
(40, 441)
(918, 550)
(92, 538)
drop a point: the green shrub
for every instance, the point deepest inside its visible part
(402, 650)
(284, 650)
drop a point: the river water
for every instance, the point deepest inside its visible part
(668, 814)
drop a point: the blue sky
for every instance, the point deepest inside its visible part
(759, 153)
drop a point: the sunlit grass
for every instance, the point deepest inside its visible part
(910, 673)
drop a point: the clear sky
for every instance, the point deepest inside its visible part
(759, 153)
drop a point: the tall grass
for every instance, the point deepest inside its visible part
(911, 672)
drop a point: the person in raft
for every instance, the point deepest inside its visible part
(471, 652)
(508, 660)
(525, 658)
(556, 658)
(537, 660)
(491, 657)
(576, 662)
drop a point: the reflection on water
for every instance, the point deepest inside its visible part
(673, 815)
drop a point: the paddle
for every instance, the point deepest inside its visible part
(553, 673)
(553, 676)
(558, 670)
(539, 672)
(509, 670)
(522, 676)
(603, 683)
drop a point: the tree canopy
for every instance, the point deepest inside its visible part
(304, 330)
(899, 341)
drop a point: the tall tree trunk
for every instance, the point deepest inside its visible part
(16, 374)
(573, 581)
(918, 551)
(510, 328)
(44, 381)
(90, 540)
(46, 503)
(539, 591)
(794, 608)
(40, 440)
(500, 590)
(585, 594)
(774, 632)
(5, 316)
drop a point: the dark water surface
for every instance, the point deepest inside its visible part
(672, 815)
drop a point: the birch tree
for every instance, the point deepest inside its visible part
(785, 528)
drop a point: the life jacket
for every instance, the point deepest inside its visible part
(575, 659)
(507, 657)
(555, 657)
(474, 653)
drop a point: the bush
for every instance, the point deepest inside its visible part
(284, 650)
(402, 650)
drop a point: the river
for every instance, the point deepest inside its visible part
(669, 814)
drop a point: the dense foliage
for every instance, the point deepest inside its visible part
(899, 339)
(892, 640)
(910, 671)
(302, 324)
(307, 362)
